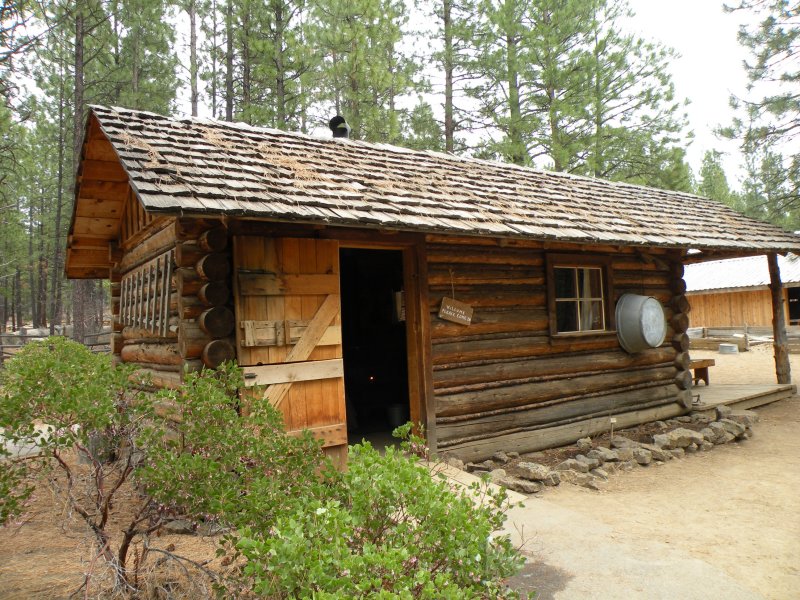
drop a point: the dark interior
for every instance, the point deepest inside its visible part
(794, 306)
(374, 342)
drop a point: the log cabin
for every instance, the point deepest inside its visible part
(359, 284)
(735, 292)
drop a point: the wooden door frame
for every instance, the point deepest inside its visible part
(418, 328)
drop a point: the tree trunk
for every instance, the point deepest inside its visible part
(32, 268)
(783, 370)
(81, 290)
(280, 69)
(229, 63)
(17, 308)
(517, 153)
(449, 123)
(192, 10)
(55, 275)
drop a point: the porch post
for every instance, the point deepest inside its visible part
(782, 367)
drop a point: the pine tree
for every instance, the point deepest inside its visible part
(144, 55)
(769, 128)
(363, 73)
(632, 101)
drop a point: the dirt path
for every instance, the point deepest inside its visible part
(736, 507)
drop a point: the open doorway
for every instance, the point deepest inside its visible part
(794, 305)
(374, 343)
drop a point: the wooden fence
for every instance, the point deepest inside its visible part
(744, 336)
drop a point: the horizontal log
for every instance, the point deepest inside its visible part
(460, 255)
(158, 379)
(190, 228)
(519, 346)
(532, 277)
(217, 322)
(164, 354)
(494, 321)
(213, 240)
(530, 394)
(683, 380)
(555, 436)
(680, 303)
(158, 242)
(155, 367)
(489, 297)
(117, 341)
(214, 293)
(214, 267)
(681, 342)
(191, 340)
(187, 281)
(192, 365)
(679, 322)
(543, 366)
(186, 307)
(187, 254)
(678, 286)
(138, 333)
(217, 352)
(682, 360)
(509, 422)
(647, 278)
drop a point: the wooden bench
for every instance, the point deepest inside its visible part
(700, 368)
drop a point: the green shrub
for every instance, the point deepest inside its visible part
(56, 395)
(384, 528)
(205, 459)
(387, 529)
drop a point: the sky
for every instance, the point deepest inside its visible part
(708, 71)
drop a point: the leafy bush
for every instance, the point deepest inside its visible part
(205, 459)
(80, 413)
(384, 527)
(55, 395)
(296, 527)
(387, 529)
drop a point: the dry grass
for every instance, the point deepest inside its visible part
(48, 552)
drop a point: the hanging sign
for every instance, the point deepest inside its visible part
(455, 311)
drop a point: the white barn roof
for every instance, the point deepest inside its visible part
(739, 274)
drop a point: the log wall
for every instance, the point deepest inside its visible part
(504, 383)
(199, 303)
(734, 309)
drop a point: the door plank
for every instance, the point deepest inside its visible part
(293, 284)
(293, 372)
(331, 435)
(302, 350)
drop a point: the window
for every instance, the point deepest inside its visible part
(578, 294)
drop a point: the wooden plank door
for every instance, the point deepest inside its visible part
(289, 332)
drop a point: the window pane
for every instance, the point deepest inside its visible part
(591, 315)
(589, 285)
(566, 316)
(565, 282)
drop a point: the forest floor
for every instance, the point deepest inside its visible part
(735, 507)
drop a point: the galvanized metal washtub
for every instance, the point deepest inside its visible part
(640, 322)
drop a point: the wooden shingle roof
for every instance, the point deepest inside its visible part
(200, 166)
